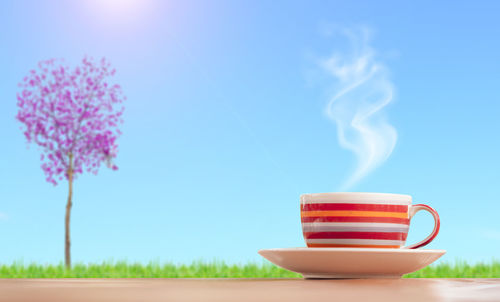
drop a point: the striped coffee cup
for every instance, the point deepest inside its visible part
(364, 220)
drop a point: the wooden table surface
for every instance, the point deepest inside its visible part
(236, 290)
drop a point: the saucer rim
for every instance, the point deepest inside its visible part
(351, 249)
(410, 260)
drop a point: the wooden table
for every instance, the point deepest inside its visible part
(235, 290)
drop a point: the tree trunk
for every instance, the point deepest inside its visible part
(67, 245)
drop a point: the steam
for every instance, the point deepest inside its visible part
(357, 107)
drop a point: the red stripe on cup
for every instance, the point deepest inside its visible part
(357, 219)
(352, 245)
(353, 207)
(356, 235)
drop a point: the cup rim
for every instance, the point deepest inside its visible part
(361, 197)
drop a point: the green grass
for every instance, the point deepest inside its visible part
(122, 269)
(200, 269)
(460, 269)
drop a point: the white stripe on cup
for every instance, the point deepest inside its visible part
(360, 224)
(356, 241)
(387, 202)
(327, 228)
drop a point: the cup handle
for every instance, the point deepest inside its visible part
(413, 210)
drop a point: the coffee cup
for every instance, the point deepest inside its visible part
(360, 220)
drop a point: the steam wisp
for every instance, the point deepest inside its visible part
(357, 107)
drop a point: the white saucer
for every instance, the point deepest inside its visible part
(351, 262)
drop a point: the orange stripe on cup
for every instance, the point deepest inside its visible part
(356, 219)
(352, 214)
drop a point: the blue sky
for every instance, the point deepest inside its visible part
(225, 125)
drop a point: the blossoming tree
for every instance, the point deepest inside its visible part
(73, 115)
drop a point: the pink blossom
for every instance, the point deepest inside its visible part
(71, 111)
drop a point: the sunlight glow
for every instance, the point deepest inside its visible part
(120, 12)
(119, 7)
